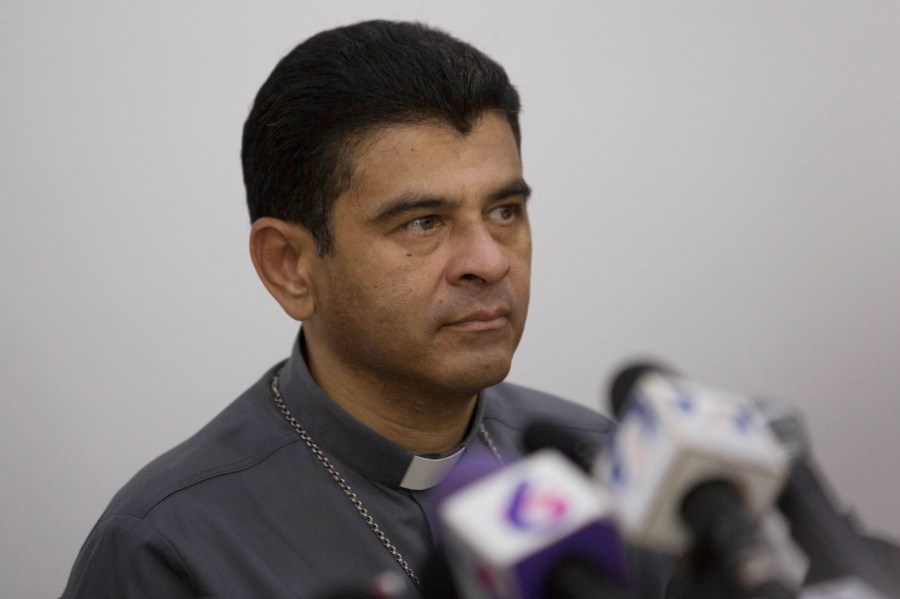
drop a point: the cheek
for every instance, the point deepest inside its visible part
(520, 259)
(414, 287)
(398, 289)
(520, 278)
(525, 247)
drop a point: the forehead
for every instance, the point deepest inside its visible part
(434, 158)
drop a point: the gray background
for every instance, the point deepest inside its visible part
(716, 184)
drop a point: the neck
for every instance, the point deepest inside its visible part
(425, 422)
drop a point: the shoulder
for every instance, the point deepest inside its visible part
(517, 407)
(239, 438)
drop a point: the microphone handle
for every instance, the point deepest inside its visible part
(833, 545)
(580, 579)
(713, 511)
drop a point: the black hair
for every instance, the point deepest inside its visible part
(331, 90)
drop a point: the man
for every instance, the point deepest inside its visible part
(389, 209)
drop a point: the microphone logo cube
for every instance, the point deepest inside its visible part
(506, 531)
(674, 434)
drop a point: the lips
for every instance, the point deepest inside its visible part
(482, 319)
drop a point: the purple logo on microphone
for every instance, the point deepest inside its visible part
(535, 510)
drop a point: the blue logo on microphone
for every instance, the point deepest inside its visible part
(535, 510)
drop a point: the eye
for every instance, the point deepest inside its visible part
(423, 224)
(506, 212)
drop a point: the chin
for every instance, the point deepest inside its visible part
(480, 374)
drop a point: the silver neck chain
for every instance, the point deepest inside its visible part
(345, 486)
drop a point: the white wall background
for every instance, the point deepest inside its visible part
(717, 184)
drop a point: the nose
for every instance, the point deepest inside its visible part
(478, 258)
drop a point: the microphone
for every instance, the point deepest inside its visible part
(692, 468)
(436, 578)
(582, 450)
(536, 529)
(829, 539)
(843, 562)
(649, 572)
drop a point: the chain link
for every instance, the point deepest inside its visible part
(489, 442)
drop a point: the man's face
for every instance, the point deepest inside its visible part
(426, 289)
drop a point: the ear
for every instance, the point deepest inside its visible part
(283, 254)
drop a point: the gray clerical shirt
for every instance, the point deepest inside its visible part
(244, 509)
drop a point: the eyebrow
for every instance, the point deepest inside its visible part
(412, 202)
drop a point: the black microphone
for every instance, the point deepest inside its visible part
(579, 578)
(829, 539)
(582, 450)
(437, 579)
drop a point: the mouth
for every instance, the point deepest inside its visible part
(481, 320)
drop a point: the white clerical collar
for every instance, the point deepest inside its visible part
(424, 473)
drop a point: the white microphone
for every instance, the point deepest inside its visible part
(693, 465)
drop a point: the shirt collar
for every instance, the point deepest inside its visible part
(341, 435)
